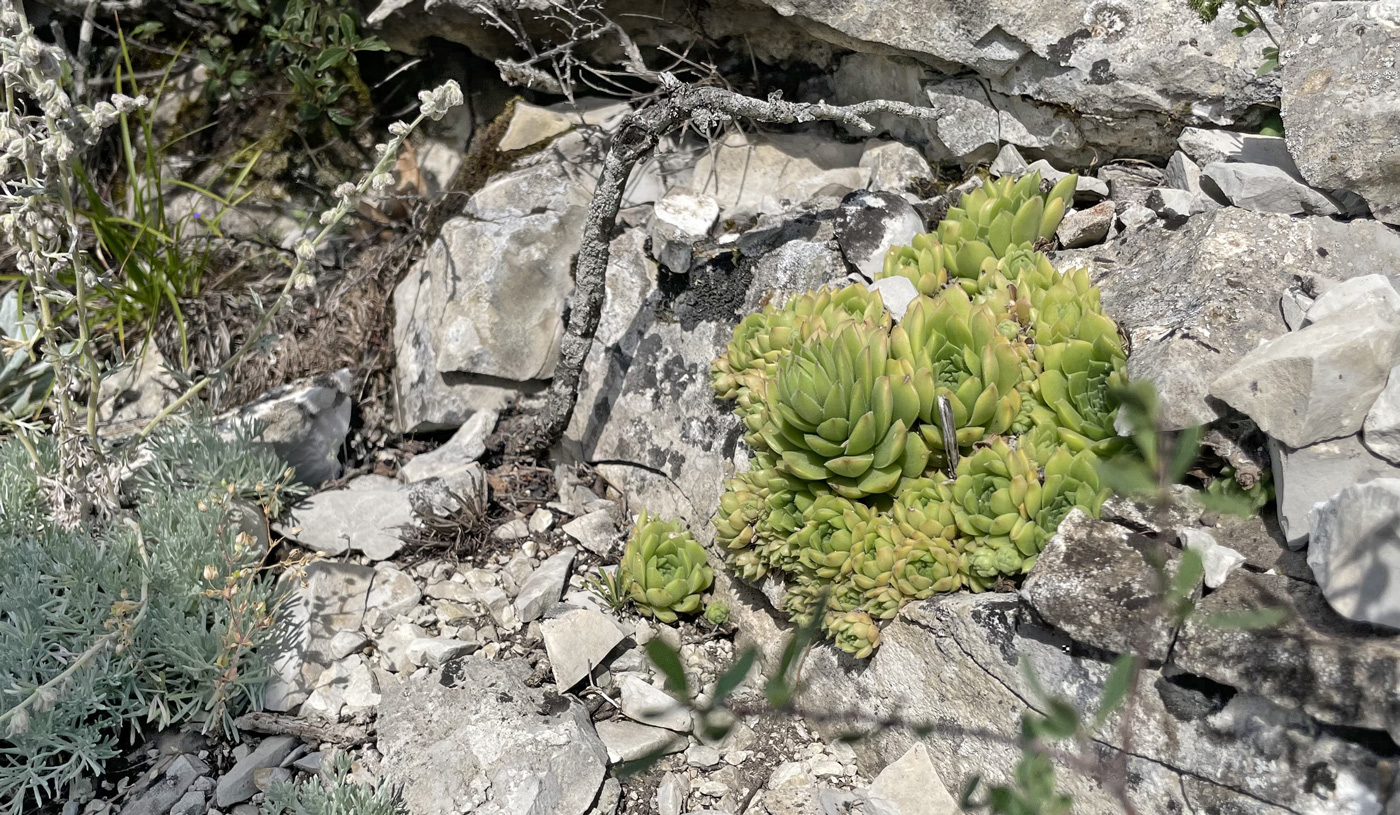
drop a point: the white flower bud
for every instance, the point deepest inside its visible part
(306, 250)
(399, 129)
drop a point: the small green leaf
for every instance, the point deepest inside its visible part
(1188, 576)
(340, 117)
(733, 677)
(1252, 620)
(668, 661)
(1115, 689)
(1188, 445)
(1061, 721)
(240, 77)
(331, 57)
(1267, 66)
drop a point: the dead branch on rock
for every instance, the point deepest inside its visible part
(636, 139)
(309, 730)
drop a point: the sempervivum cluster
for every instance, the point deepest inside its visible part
(894, 462)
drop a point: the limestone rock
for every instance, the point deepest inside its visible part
(131, 397)
(532, 124)
(392, 591)
(596, 532)
(171, 788)
(490, 295)
(236, 785)
(1080, 582)
(1341, 105)
(1316, 383)
(1355, 295)
(519, 754)
(370, 521)
(1182, 173)
(348, 683)
(458, 454)
(1315, 660)
(644, 703)
(747, 174)
(629, 741)
(577, 643)
(671, 794)
(1354, 550)
(1264, 188)
(1129, 183)
(1172, 206)
(1217, 561)
(545, 585)
(1212, 146)
(894, 167)
(1382, 426)
(304, 422)
(333, 599)
(1086, 227)
(680, 219)
(1152, 281)
(872, 222)
(898, 292)
(911, 786)
(434, 652)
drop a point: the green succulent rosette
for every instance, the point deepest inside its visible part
(853, 632)
(1077, 383)
(925, 507)
(1006, 512)
(824, 542)
(840, 414)
(872, 565)
(923, 262)
(664, 569)
(955, 349)
(927, 566)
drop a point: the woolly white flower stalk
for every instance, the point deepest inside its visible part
(435, 105)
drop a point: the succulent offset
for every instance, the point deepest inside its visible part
(664, 569)
(856, 497)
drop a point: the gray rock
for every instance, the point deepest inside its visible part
(172, 787)
(1354, 550)
(1008, 162)
(872, 222)
(1382, 426)
(392, 591)
(369, 521)
(532, 124)
(451, 494)
(1264, 188)
(304, 422)
(1217, 561)
(1182, 173)
(644, 703)
(898, 293)
(1316, 383)
(751, 174)
(1172, 206)
(911, 786)
(701, 756)
(132, 396)
(457, 455)
(671, 794)
(1134, 216)
(1152, 281)
(345, 643)
(1294, 305)
(1086, 227)
(1211, 146)
(436, 651)
(349, 683)
(489, 296)
(972, 122)
(595, 531)
(1340, 102)
(393, 646)
(1130, 183)
(545, 585)
(519, 754)
(265, 777)
(237, 785)
(894, 167)
(1315, 660)
(577, 642)
(1079, 583)
(680, 219)
(332, 599)
(629, 741)
(1355, 295)
(191, 803)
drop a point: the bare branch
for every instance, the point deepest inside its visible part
(635, 141)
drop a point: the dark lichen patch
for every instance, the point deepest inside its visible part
(713, 291)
